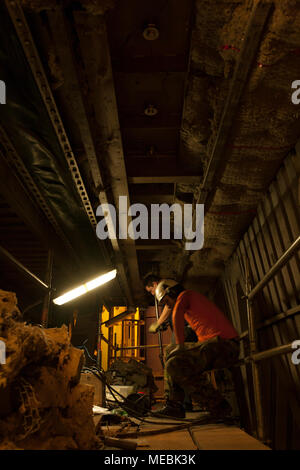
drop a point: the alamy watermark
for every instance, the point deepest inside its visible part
(2, 92)
(296, 354)
(296, 94)
(2, 352)
(186, 220)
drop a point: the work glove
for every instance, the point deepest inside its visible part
(177, 350)
(153, 328)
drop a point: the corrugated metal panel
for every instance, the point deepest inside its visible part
(274, 229)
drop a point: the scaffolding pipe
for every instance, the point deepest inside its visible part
(99, 334)
(19, 265)
(279, 264)
(143, 346)
(161, 354)
(254, 366)
(254, 356)
(284, 349)
(47, 299)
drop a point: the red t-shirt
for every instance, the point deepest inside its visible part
(205, 318)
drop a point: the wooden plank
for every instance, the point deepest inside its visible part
(178, 440)
(190, 179)
(221, 437)
(152, 64)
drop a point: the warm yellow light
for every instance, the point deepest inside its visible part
(84, 288)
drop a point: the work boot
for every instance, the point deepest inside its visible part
(170, 410)
(222, 410)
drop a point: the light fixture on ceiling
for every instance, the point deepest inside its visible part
(86, 287)
(150, 110)
(151, 32)
(151, 151)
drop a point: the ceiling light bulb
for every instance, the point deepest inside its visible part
(151, 32)
(150, 110)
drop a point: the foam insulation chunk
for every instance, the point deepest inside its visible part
(45, 405)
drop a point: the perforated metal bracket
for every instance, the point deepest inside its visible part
(18, 18)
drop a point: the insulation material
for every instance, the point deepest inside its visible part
(265, 128)
(48, 408)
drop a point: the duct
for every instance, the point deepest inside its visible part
(27, 124)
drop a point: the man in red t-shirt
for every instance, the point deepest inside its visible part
(186, 363)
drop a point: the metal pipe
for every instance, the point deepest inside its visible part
(143, 346)
(279, 264)
(284, 349)
(117, 318)
(29, 307)
(99, 334)
(161, 354)
(47, 299)
(254, 366)
(275, 319)
(20, 266)
(109, 343)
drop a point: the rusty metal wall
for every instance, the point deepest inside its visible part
(274, 228)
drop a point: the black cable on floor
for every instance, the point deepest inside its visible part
(100, 375)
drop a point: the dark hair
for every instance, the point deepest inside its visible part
(149, 279)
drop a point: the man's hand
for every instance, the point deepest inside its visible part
(153, 328)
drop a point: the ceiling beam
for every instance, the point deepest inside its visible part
(152, 198)
(152, 165)
(146, 64)
(63, 45)
(140, 121)
(91, 30)
(146, 245)
(187, 179)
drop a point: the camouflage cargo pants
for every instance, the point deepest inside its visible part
(187, 370)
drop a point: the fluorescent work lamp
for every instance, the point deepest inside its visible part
(84, 288)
